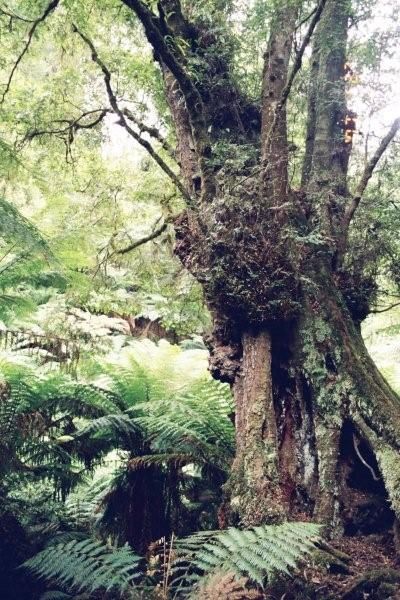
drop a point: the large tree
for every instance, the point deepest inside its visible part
(276, 261)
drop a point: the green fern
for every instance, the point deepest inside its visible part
(83, 506)
(113, 425)
(87, 566)
(55, 595)
(195, 422)
(260, 553)
(16, 228)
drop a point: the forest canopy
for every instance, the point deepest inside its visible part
(199, 299)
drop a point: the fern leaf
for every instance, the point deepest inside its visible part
(257, 554)
(86, 566)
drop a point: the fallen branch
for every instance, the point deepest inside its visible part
(364, 462)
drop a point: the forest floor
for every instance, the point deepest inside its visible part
(370, 571)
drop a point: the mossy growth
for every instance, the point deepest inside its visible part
(379, 584)
(251, 263)
(389, 464)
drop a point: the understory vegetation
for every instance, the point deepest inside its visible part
(109, 472)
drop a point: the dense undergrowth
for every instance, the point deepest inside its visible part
(112, 479)
(99, 466)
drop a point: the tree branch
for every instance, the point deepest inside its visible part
(72, 125)
(277, 84)
(167, 56)
(362, 459)
(147, 238)
(50, 7)
(299, 55)
(152, 27)
(383, 310)
(152, 131)
(123, 122)
(11, 15)
(307, 18)
(368, 172)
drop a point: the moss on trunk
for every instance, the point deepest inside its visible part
(298, 396)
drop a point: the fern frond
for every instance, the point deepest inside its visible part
(160, 460)
(15, 227)
(55, 595)
(193, 422)
(86, 566)
(116, 425)
(225, 586)
(259, 554)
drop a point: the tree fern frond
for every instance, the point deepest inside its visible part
(160, 460)
(226, 586)
(15, 227)
(117, 424)
(55, 595)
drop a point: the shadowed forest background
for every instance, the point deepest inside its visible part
(199, 299)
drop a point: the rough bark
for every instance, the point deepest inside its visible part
(330, 152)
(267, 256)
(254, 486)
(274, 126)
(290, 456)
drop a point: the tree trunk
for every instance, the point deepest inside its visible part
(255, 473)
(312, 410)
(302, 390)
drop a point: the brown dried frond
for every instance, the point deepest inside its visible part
(225, 586)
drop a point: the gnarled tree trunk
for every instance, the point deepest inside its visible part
(312, 410)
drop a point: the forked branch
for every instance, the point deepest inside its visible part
(300, 53)
(152, 131)
(168, 56)
(13, 16)
(295, 69)
(152, 27)
(124, 123)
(70, 126)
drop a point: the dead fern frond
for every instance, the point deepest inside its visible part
(226, 586)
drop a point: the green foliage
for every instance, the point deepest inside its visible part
(87, 566)
(260, 553)
(194, 423)
(15, 228)
(74, 199)
(27, 265)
